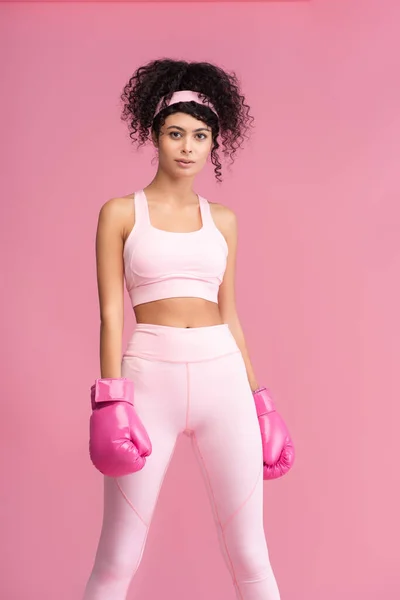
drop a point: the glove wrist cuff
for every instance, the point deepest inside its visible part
(263, 401)
(111, 389)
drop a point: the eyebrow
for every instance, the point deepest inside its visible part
(194, 130)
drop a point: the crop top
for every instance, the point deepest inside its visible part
(162, 264)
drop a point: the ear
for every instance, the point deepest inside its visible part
(154, 139)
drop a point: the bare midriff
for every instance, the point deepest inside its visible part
(179, 312)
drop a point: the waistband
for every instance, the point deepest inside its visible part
(178, 344)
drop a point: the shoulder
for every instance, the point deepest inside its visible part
(118, 212)
(224, 217)
(118, 206)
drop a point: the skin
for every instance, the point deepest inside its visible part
(173, 206)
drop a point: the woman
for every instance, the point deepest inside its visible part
(186, 365)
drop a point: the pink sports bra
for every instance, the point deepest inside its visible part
(167, 264)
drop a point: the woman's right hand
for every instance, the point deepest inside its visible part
(119, 443)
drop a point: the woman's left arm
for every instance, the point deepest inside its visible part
(227, 223)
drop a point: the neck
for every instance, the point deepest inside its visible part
(174, 190)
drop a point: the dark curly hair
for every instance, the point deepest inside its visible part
(163, 77)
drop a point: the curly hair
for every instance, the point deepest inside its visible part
(163, 77)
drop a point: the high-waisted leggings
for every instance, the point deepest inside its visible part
(190, 381)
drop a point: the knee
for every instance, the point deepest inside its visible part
(112, 573)
(252, 565)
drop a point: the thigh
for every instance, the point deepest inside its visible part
(160, 403)
(226, 434)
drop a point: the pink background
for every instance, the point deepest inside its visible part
(317, 196)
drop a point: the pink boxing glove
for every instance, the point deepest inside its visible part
(118, 440)
(278, 449)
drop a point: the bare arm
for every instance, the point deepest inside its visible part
(110, 283)
(226, 296)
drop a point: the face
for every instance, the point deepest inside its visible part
(182, 137)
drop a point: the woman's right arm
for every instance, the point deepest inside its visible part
(110, 284)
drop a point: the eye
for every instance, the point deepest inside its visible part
(173, 134)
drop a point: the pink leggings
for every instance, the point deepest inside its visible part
(190, 381)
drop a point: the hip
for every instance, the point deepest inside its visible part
(179, 344)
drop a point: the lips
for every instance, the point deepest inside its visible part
(185, 162)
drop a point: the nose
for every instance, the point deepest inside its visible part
(186, 146)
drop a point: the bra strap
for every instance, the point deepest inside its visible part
(206, 217)
(142, 216)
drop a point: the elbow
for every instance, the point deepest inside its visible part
(111, 319)
(235, 326)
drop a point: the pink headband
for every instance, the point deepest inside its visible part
(185, 96)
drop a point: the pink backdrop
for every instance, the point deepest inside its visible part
(317, 196)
